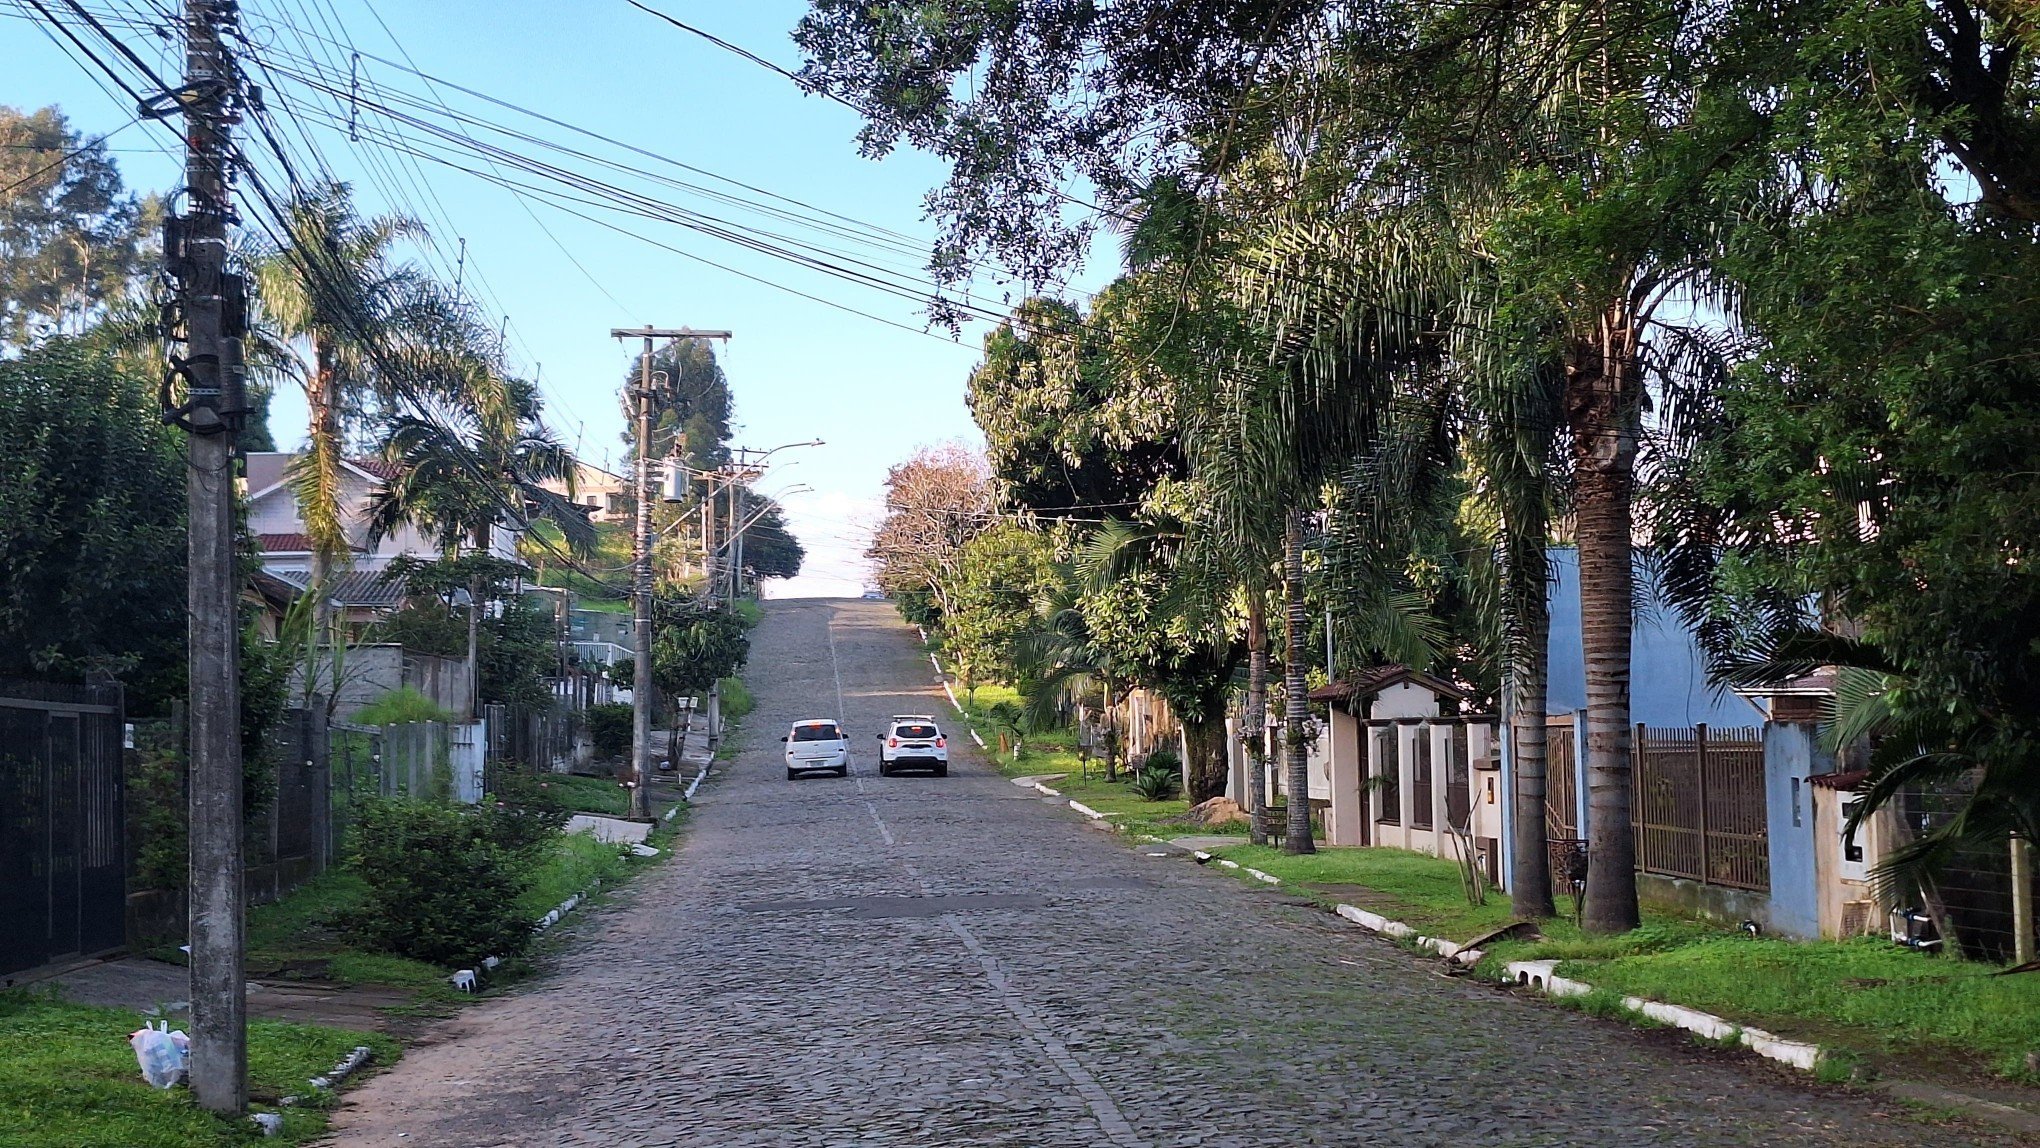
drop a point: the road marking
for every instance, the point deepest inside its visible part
(1110, 1120)
(835, 667)
(880, 822)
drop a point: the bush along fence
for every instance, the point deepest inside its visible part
(302, 801)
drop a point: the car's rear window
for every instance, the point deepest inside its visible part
(915, 731)
(826, 731)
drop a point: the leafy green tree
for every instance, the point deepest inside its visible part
(995, 593)
(770, 549)
(1068, 429)
(1864, 492)
(91, 530)
(71, 238)
(696, 642)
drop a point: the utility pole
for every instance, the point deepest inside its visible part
(213, 306)
(641, 564)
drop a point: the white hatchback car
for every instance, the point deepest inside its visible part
(816, 744)
(913, 741)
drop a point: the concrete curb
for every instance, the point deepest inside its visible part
(1073, 803)
(347, 1067)
(1538, 975)
(688, 793)
(1799, 1054)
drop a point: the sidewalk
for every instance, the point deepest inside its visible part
(139, 984)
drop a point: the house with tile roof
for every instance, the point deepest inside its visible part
(278, 524)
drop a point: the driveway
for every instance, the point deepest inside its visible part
(954, 961)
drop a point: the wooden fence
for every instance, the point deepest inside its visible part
(1561, 784)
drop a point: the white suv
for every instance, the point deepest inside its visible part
(913, 741)
(816, 744)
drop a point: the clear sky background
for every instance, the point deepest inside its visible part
(799, 369)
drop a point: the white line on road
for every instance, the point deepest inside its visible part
(880, 822)
(1110, 1120)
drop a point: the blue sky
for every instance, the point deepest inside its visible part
(799, 369)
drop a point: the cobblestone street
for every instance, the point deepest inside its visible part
(955, 961)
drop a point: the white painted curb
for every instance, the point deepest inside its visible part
(1799, 1054)
(974, 737)
(1539, 975)
(347, 1067)
(688, 794)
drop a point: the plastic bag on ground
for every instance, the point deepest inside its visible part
(161, 1054)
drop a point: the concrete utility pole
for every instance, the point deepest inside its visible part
(641, 564)
(214, 309)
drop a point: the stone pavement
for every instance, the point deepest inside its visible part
(922, 961)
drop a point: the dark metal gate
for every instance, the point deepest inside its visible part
(62, 868)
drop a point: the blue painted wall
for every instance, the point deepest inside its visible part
(1792, 753)
(1667, 677)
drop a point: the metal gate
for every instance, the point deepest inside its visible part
(62, 864)
(466, 744)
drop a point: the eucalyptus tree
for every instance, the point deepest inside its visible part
(72, 239)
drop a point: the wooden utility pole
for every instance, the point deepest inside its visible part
(641, 564)
(213, 306)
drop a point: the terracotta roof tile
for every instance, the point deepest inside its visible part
(1373, 680)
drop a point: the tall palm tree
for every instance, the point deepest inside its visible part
(458, 475)
(358, 318)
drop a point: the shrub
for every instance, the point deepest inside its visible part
(1162, 758)
(609, 728)
(403, 704)
(527, 813)
(1154, 784)
(442, 885)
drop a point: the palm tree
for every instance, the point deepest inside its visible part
(458, 474)
(358, 318)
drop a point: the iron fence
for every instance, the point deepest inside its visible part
(538, 739)
(1561, 783)
(62, 830)
(1697, 804)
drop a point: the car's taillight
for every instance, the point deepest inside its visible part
(941, 743)
(892, 743)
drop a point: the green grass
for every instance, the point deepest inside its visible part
(68, 1080)
(1865, 998)
(737, 701)
(302, 933)
(1421, 891)
(750, 610)
(403, 704)
(588, 794)
(578, 860)
(1866, 994)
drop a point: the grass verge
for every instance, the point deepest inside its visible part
(588, 794)
(68, 1080)
(1055, 751)
(1870, 1001)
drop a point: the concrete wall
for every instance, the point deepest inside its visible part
(369, 672)
(445, 680)
(1668, 677)
(1792, 753)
